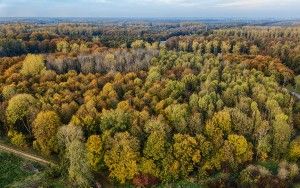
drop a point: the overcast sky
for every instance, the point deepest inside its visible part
(151, 8)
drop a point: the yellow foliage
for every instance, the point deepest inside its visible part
(294, 151)
(148, 166)
(94, 148)
(33, 65)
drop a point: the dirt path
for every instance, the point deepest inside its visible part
(24, 154)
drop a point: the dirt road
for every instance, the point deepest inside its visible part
(23, 154)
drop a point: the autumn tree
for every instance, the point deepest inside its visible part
(20, 111)
(44, 129)
(78, 171)
(94, 147)
(178, 115)
(122, 157)
(187, 152)
(33, 65)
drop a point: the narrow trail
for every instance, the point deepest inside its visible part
(23, 154)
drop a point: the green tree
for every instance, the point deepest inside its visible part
(79, 172)
(20, 111)
(116, 120)
(156, 145)
(282, 132)
(297, 83)
(178, 114)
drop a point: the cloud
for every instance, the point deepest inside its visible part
(151, 8)
(255, 3)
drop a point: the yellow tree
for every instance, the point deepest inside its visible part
(94, 147)
(122, 157)
(186, 152)
(45, 127)
(19, 112)
(33, 65)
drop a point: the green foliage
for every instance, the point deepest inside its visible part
(79, 172)
(21, 108)
(178, 114)
(12, 170)
(9, 91)
(156, 145)
(297, 82)
(116, 120)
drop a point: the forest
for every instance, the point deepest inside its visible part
(154, 104)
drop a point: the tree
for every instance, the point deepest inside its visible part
(225, 47)
(235, 151)
(45, 127)
(116, 120)
(63, 46)
(282, 132)
(254, 50)
(237, 48)
(156, 145)
(175, 89)
(94, 147)
(20, 110)
(109, 95)
(33, 65)
(67, 134)
(187, 152)
(294, 152)
(122, 157)
(178, 114)
(223, 120)
(138, 44)
(9, 91)
(297, 84)
(78, 170)
(241, 123)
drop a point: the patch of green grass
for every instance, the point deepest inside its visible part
(12, 169)
(16, 172)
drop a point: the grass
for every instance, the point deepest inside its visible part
(15, 169)
(17, 172)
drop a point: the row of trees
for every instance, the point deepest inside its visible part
(282, 43)
(18, 39)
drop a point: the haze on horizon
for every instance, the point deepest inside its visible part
(151, 8)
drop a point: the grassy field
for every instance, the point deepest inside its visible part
(15, 169)
(17, 172)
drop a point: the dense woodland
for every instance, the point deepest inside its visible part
(155, 104)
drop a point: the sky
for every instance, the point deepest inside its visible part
(152, 8)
